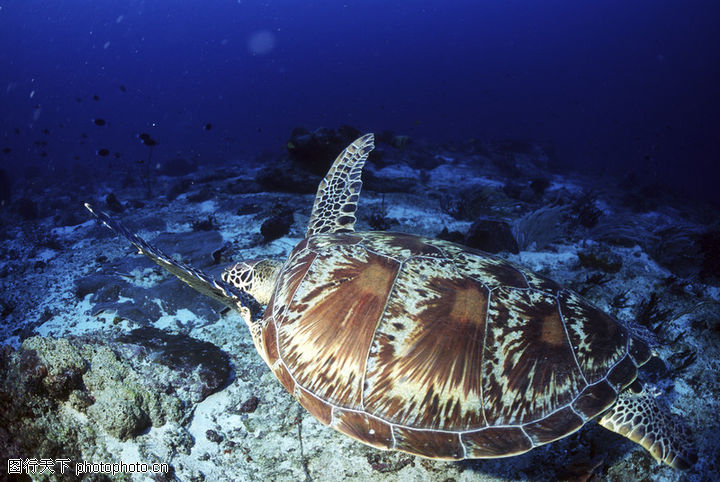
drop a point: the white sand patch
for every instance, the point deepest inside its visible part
(45, 255)
(76, 320)
(398, 171)
(207, 207)
(170, 322)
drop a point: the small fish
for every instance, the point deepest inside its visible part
(46, 131)
(78, 99)
(95, 97)
(146, 139)
(123, 88)
(103, 152)
(99, 121)
(208, 126)
(7, 150)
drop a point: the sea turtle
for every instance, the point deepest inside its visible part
(429, 347)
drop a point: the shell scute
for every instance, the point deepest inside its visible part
(639, 351)
(598, 339)
(622, 374)
(491, 270)
(554, 426)
(400, 246)
(428, 443)
(529, 368)
(496, 442)
(289, 279)
(424, 365)
(329, 324)
(318, 408)
(270, 349)
(595, 399)
(286, 379)
(363, 427)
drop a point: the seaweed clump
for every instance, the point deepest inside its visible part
(650, 314)
(207, 224)
(540, 227)
(600, 259)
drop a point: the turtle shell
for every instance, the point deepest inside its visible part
(438, 350)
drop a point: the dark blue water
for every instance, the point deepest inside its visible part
(624, 86)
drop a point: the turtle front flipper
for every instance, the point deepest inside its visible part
(637, 416)
(339, 191)
(195, 278)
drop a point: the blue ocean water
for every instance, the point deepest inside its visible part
(610, 85)
(577, 139)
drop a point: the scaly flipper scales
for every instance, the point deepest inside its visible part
(338, 193)
(197, 279)
(637, 416)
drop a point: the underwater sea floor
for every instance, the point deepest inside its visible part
(107, 358)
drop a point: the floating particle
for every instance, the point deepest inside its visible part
(7, 150)
(103, 152)
(95, 97)
(78, 99)
(99, 121)
(84, 135)
(46, 131)
(43, 154)
(207, 126)
(261, 42)
(123, 88)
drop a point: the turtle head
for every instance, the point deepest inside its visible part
(256, 277)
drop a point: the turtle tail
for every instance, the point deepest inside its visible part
(195, 278)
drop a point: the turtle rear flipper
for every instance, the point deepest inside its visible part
(195, 278)
(637, 416)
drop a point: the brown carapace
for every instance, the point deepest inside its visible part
(438, 350)
(429, 347)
